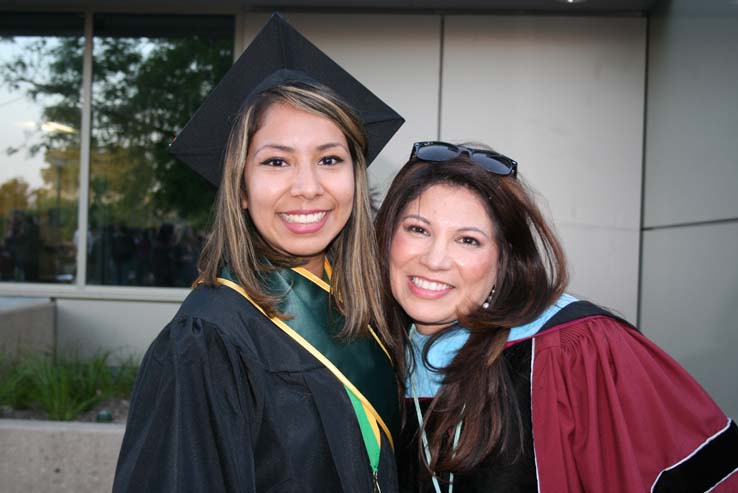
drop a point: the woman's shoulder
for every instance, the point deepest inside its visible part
(209, 319)
(600, 343)
(581, 322)
(567, 319)
(220, 318)
(619, 395)
(216, 304)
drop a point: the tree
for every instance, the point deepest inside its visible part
(14, 195)
(144, 91)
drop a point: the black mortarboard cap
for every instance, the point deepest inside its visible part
(277, 54)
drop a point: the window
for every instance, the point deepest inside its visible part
(148, 213)
(40, 87)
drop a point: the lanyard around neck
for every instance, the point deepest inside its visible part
(424, 439)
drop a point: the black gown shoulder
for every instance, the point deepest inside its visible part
(225, 401)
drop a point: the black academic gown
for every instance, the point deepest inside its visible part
(226, 401)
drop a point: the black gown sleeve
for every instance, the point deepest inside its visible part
(194, 415)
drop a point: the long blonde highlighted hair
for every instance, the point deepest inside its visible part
(235, 241)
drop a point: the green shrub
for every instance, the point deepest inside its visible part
(66, 387)
(11, 385)
(124, 378)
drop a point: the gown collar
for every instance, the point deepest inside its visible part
(428, 380)
(361, 364)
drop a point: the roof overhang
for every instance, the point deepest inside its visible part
(561, 7)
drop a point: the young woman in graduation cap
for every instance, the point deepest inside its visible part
(273, 375)
(515, 385)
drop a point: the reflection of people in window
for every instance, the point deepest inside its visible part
(122, 250)
(25, 247)
(10, 247)
(187, 252)
(164, 255)
(143, 240)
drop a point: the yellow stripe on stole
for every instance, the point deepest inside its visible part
(372, 414)
(320, 282)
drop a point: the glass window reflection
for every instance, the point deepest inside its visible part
(148, 213)
(40, 87)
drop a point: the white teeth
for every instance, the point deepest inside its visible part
(429, 285)
(304, 218)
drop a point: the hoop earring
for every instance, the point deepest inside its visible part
(486, 304)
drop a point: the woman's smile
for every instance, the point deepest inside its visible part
(303, 217)
(443, 257)
(427, 288)
(304, 222)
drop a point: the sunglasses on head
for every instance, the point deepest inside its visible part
(436, 152)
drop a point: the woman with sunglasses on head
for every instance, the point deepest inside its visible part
(511, 384)
(270, 377)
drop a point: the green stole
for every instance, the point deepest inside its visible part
(362, 365)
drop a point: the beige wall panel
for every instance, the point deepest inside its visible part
(690, 303)
(396, 56)
(125, 327)
(603, 266)
(692, 151)
(564, 97)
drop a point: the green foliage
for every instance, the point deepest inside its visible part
(12, 391)
(123, 378)
(66, 387)
(144, 92)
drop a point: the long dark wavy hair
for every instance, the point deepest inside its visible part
(531, 275)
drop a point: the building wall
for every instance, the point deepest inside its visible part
(562, 95)
(689, 287)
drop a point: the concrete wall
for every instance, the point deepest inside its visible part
(124, 327)
(689, 294)
(28, 326)
(44, 456)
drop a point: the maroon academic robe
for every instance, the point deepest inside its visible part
(604, 410)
